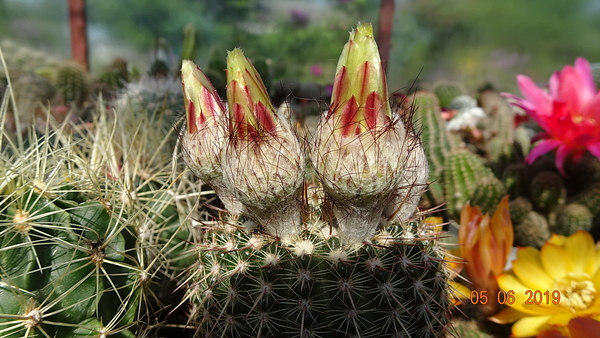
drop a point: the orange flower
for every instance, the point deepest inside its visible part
(485, 246)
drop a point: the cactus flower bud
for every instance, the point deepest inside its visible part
(263, 162)
(360, 148)
(205, 133)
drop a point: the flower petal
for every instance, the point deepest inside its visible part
(530, 326)
(561, 319)
(584, 327)
(561, 155)
(540, 149)
(510, 284)
(595, 149)
(581, 251)
(536, 96)
(555, 260)
(507, 315)
(530, 271)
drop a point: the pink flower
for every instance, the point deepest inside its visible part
(569, 112)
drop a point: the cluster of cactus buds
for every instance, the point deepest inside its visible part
(371, 167)
(342, 255)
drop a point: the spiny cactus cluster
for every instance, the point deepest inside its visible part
(340, 255)
(92, 235)
(483, 169)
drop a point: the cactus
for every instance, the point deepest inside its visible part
(488, 194)
(570, 218)
(86, 227)
(532, 231)
(297, 266)
(190, 37)
(446, 91)
(516, 179)
(116, 75)
(583, 172)
(467, 329)
(72, 83)
(519, 209)
(590, 198)
(548, 191)
(462, 172)
(436, 141)
(253, 285)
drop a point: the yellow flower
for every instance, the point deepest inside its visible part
(552, 285)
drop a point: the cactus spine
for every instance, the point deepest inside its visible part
(85, 226)
(332, 274)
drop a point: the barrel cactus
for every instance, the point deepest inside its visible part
(88, 221)
(322, 257)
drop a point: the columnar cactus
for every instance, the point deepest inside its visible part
(462, 172)
(73, 83)
(436, 141)
(324, 259)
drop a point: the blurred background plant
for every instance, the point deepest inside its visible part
(431, 39)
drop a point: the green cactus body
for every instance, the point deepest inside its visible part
(436, 141)
(516, 180)
(467, 329)
(446, 91)
(335, 263)
(532, 231)
(190, 34)
(64, 265)
(581, 174)
(72, 83)
(500, 124)
(83, 233)
(462, 172)
(488, 194)
(570, 218)
(250, 285)
(519, 209)
(590, 198)
(548, 191)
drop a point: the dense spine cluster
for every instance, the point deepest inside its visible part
(340, 256)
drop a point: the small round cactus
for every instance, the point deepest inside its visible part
(570, 218)
(72, 82)
(532, 231)
(548, 190)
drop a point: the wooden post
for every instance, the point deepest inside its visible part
(77, 20)
(386, 23)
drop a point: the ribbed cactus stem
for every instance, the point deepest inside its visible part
(462, 171)
(436, 141)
